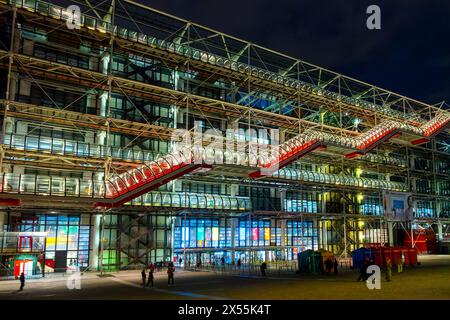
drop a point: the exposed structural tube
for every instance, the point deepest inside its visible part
(306, 142)
(336, 179)
(93, 23)
(192, 201)
(121, 188)
(124, 187)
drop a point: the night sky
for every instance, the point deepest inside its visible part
(410, 55)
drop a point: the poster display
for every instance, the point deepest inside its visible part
(200, 236)
(398, 206)
(266, 234)
(255, 234)
(215, 234)
(242, 234)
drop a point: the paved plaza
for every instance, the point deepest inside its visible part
(430, 280)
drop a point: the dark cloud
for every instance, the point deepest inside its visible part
(409, 55)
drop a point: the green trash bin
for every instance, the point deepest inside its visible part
(309, 261)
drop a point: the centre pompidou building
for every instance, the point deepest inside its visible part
(92, 176)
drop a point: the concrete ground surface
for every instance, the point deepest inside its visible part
(430, 280)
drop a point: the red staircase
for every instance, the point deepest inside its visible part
(289, 151)
(150, 176)
(126, 186)
(304, 143)
(432, 127)
(373, 137)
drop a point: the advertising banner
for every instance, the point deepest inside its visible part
(398, 206)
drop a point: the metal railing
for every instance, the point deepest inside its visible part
(346, 180)
(30, 184)
(273, 268)
(75, 148)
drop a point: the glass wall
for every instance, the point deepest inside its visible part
(255, 233)
(371, 206)
(202, 233)
(195, 234)
(300, 236)
(425, 209)
(67, 241)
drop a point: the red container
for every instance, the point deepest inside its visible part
(410, 256)
(424, 240)
(387, 253)
(396, 254)
(378, 256)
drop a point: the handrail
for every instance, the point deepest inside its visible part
(30, 184)
(310, 176)
(203, 201)
(363, 143)
(74, 148)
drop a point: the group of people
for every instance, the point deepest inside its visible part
(147, 280)
(330, 264)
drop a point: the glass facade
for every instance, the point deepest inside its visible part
(152, 226)
(300, 236)
(202, 233)
(65, 240)
(259, 234)
(66, 234)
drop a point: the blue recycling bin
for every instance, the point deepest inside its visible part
(359, 255)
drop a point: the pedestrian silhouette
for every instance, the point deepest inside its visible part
(363, 270)
(150, 277)
(22, 281)
(170, 272)
(263, 268)
(328, 265)
(335, 265)
(143, 277)
(388, 269)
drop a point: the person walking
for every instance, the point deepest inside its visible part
(335, 266)
(144, 276)
(388, 269)
(328, 265)
(150, 277)
(363, 270)
(263, 268)
(170, 272)
(22, 281)
(239, 263)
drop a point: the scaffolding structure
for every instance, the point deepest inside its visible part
(89, 116)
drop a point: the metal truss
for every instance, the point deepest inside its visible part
(213, 56)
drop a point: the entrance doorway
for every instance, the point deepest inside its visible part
(60, 261)
(25, 266)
